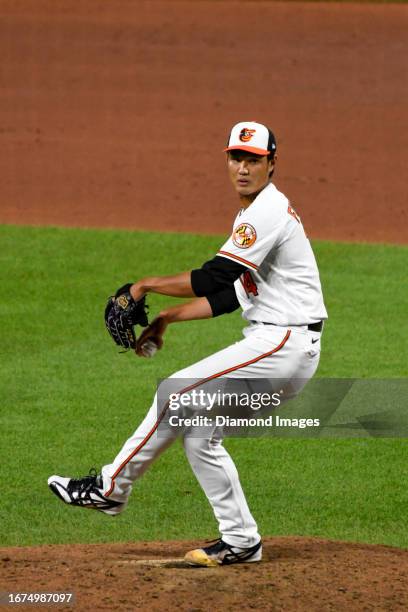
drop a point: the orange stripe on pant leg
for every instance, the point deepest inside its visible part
(203, 381)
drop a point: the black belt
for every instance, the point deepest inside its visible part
(316, 327)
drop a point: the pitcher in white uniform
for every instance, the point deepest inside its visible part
(267, 268)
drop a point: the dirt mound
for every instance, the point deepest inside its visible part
(295, 574)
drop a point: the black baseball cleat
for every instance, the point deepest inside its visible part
(85, 492)
(221, 553)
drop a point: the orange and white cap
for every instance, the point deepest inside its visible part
(253, 137)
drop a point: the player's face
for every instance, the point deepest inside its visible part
(249, 173)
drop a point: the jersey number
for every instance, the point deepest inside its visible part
(249, 284)
(293, 213)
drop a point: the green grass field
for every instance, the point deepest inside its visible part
(69, 400)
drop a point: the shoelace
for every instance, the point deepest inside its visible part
(83, 485)
(218, 544)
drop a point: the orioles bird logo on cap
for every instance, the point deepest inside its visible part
(246, 134)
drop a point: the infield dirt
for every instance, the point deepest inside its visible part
(296, 574)
(115, 115)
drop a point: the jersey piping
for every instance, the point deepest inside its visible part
(240, 259)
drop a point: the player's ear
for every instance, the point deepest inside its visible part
(272, 160)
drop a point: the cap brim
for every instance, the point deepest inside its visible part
(249, 149)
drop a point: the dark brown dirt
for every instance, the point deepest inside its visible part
(114, 114)
(296, 574)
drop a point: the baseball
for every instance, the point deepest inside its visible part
(149, 348)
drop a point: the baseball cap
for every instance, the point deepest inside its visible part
(253, 137)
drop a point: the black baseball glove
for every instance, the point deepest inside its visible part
(121, 314)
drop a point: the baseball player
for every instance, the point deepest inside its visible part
(266, 268)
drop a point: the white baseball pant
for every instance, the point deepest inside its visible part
(266, 352)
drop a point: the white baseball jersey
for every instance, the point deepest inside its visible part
(282, 285)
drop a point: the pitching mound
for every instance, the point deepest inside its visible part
(296, 574)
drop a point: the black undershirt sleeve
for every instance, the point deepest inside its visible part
(223, 301)
(215, 275)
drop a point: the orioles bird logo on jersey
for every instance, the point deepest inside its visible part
(244, 236)
(246, 134)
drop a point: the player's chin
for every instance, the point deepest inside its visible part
(244, 189)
